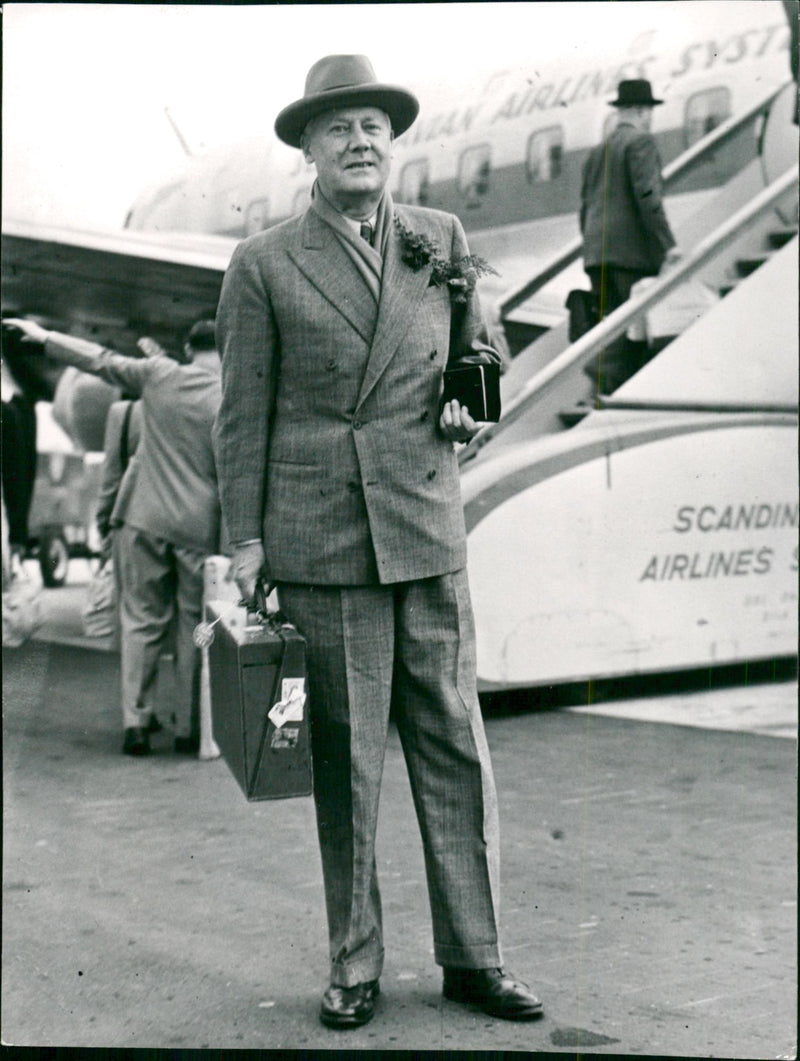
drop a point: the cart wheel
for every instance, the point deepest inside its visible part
(53, 558)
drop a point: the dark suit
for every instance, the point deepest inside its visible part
(328, 449)
(625, 230)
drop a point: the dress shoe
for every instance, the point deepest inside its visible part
(497, 993)
(136, 742)
(187, 745)
(349, 1007)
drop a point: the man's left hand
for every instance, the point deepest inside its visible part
(455, 422)
(150, 348)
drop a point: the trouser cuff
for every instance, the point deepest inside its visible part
(136, 717)
(479, 956)
(348, 974)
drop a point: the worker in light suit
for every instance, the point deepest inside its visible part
(172, 518)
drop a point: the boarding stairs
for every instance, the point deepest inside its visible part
(750, 221)
(771, 236)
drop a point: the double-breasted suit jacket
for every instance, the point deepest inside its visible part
(622, 215)
(339, 398)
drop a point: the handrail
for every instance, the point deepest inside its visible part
(571, 251)
(654, 406)
(580, 353)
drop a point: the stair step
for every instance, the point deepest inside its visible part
(746, 266)
(780, 237)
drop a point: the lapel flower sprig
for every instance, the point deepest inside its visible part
(460, 274)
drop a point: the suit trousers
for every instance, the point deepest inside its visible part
(622, 358)
(408, 647)
(161, 584)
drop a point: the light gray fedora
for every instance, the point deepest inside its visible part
(345, 81)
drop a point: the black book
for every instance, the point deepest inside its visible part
(477, 387)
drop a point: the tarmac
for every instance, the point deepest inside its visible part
(649, 880)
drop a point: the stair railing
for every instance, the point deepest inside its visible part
(677, 168)
(582, 352)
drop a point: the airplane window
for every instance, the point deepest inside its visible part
(545, 154)
(257, 216)
(415, 183)
(302, 197)
(474, 168)
(704, 112)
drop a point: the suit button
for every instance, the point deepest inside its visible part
(330, 364)
(357, 425)
(434, 354)
(424, 415)
(352, 487)
(431, 474)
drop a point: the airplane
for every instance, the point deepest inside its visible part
(506, 156)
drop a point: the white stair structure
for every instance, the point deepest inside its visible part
(658, 531)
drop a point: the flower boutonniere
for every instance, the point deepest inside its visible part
(460, 274)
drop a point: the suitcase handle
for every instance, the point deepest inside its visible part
(257, 608)
(260, 594)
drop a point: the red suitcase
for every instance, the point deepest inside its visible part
(258, 701)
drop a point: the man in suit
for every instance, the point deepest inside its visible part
(25, 381)
(339, 483)
(171, 519)
(18, 447)
(626, 235)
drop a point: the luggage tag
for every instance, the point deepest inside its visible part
(203, 633)
(291, 704)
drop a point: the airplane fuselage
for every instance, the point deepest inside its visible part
(508, 150)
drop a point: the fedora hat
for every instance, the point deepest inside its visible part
(345, 81)
(635, 93)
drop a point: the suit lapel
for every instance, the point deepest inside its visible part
(402, 289)
(324, 262)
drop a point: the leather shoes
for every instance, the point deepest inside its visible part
(497, 993)
(349, 1007)
(136, 742)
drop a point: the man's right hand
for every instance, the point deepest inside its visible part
(247, 564)
(29, 329)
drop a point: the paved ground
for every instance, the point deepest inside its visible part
(649, 886)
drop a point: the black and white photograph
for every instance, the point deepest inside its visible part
(400, 527)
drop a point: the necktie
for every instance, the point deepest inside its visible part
(366, 232)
